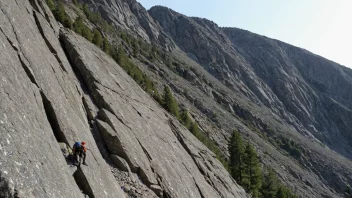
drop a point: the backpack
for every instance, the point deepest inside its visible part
(77, 145)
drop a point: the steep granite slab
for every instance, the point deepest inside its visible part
(31, 163)
(47, 66)
(136, 129)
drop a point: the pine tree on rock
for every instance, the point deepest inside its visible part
(136, 48)
(284, 192)
(195, 130)
(80, 28)
(186, 120)
(51, 5)
(252, 181)
(75, 2)
(77, 25)
(60, 13)
(106, 46)
(86, 10)
(170, 103)
(86, 33)
(157, 96)
(97, 38)
(236, 156)
(281, 193)
(270, 185)
(122, 58)
(62, 17)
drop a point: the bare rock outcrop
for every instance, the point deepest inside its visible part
(137, 130)
(132, 17)
(42, 101)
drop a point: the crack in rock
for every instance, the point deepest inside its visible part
(50, 47)
(26, 68)
(83, 183)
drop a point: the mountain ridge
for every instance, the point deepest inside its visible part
(249, 31)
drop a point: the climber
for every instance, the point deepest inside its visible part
(79, 151)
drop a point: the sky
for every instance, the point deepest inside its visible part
(323, 27)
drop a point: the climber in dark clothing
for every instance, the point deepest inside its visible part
(79, 151)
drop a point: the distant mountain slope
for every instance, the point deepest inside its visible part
(315, 90)
(292, 82)
(305, 91)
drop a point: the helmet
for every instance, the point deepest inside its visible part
(83, 143)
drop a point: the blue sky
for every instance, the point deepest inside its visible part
(323, 27)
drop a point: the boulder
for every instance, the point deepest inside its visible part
(120, 163)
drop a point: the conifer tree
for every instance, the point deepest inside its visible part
(51, 5)
(106, 46)
(236, 157)
(80, 28)
(136, 48)
(170, 103)
(195, 130)
(77, 25)
(75, 2)
(252, 182)
(284, 192)
(186, 120)
(97, 38)
(60, 13)
(157, 96)
(62, 16)
(122, 59)
(86, 33)
(148, 84)
(86, 10)
(281, 193)
(270, 184)
(137, 74)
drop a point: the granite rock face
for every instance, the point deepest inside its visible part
(132, 17)
(139, 132)
(46, 108)
(57, 88)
